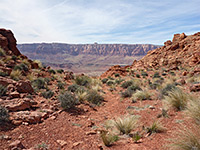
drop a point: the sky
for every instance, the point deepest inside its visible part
(101, 21)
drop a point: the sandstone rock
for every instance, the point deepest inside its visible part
(181, 81)
(24, 87)
(167, 43)
(195, 87)
(69, 76)
(182, 36)
(15, 94)
(77, 143)
(61, 142)
(185, 73)
(5, 81)
(91, 132)
(16, 145)
(8, 41)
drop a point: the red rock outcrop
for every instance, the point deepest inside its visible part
(8, 41)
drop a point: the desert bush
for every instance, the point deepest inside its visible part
(16, 75)
(126, 124)
(126, 84)
(60, 85)
(21, 67)
(3, 74)
(60, 71)
(110, 82)
(110, 78)
(75, 88)
(119, 80)
(156, 127)
(2, 52)
(81, 96)
(67, 100)
(193, 109)
(136, 137)
(164, 74)
(186, 139)
(94, 97)
(156, 75)
(177, 99)
(14, 57)
(137, 75)
(167, 89)
(83, 80)
(108, 138)
(172, 73)
(3, 90)
(4, 116)
(39, 83)
(130, 90)
(39, 63)
(51, 71)
(31, 76)
(117, 75)
(104, 80)
(144, 74)
(141, 95)
(47, 94)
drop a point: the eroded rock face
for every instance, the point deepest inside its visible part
(8, 41)
(24, 87)
(115, 70)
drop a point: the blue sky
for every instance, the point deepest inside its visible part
(102, 21)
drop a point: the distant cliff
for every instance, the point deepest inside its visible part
(92, 49)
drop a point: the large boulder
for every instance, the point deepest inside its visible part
(24, 87)
(8, 41)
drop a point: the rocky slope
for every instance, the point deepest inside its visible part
(182, 52)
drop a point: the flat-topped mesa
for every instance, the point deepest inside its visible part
(181, 51)
(8, 42)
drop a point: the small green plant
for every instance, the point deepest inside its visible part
(75, 88)
(14, 57)
(156, 75)
(126, 84)
(156, 127)
(60, 71)
(47, 94)
(4, 116)
(108, 138)
(60, 85)
(94, 97)
(127, 93)
(136, 137)
(119, 80)
(137, 75)
(51, 71)
(81, 95)
(16, 75)
(126, 124)
(104, 80)
(42, 146)
(83, 81)
(67, 100)
(39, 83)
(177, 99)
(144, 74)
(21, 67)
(110, 82)
(117, 75)
(3, 90)
(141, 95)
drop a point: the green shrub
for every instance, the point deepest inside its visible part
(126, 124)
(47, 80)
(156, 75)
(74, 88)
(111, 78)
(119, 80)
(126, 84)
(110, 82)
(141, 95)
(108, 138)
(83, 81)
(117, 74)
(51, 71)
(177, 99)
(130, 90)
(4, 116)
(134, 87)
(16, 75)
(60, 85)
(156, 127)
(47, 94)
(39, 83)
(14, 57)
(3, 74)
(137, 75)
(3, 90)
(60, 71)
(104, 80)
(21, 67)
(94, 97)
(144, 74)
(67, 100)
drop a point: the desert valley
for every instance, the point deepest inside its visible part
(151, 104)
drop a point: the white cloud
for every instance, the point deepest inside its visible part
(86, 21)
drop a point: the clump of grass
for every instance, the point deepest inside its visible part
(110, 82)
(51, 71)
(16, 75)
(60, 85)
(4, 116)
(94, 97)
(193, 109)
(21, 67)
(75, 88)
(119, 80)
(186, 139)
(156, 75)
(42, 146)
(177, 99)
(130, 90)
(156, 127)
(83, 81)
(39, 63)
(136, 137)
(108, 138)
(126, 124)
(31, 76)
(167, 89)
(3, 90)
(81, 96)
(39, 83)
(141, 95)
(47, 94)
(60, 71)
(117, 75)
(126, 84)
(67, 100)
(104, 80)
(144, 74)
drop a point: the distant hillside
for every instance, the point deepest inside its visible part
(85, 58)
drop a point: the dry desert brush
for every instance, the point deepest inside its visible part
(126, 124)
(141, 95)
(108, 138)
(193, 109)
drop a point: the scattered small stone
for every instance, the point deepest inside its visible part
(91, 132)
(16, 145)
(5, 137)
(77, 143)
(61, 142)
